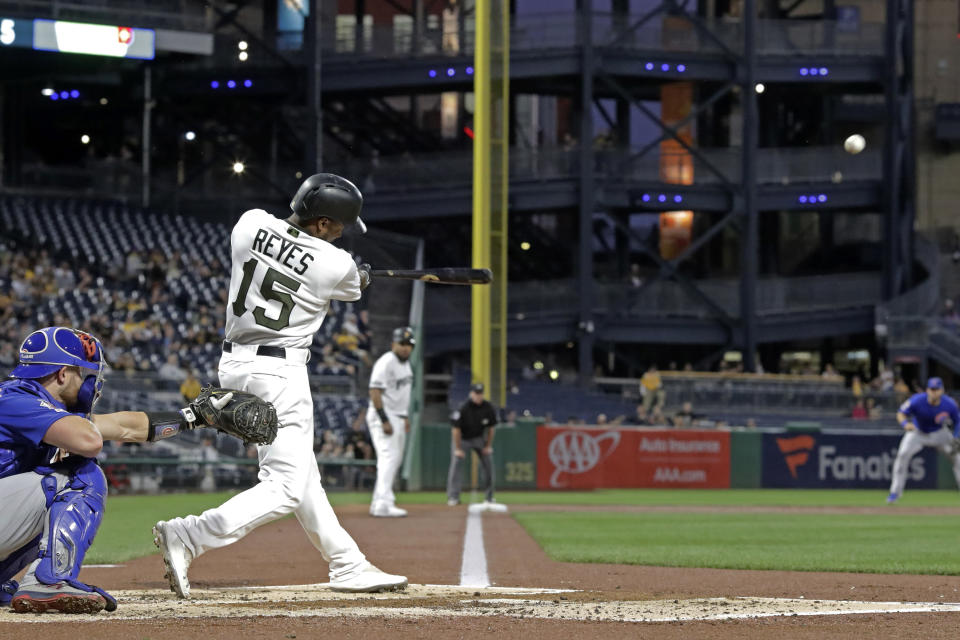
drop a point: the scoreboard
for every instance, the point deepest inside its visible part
(78, 37)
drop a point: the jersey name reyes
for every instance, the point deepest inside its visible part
(286, 252)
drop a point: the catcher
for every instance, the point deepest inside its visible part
(52, 491)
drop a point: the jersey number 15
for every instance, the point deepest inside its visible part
(269, 293)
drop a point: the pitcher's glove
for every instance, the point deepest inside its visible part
(238, 413)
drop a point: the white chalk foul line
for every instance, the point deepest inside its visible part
(473, 567)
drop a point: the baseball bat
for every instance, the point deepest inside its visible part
(440, 275)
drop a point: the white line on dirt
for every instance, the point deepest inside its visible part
(473, 568)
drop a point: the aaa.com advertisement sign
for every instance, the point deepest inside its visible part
(822, 460)
(585, 458)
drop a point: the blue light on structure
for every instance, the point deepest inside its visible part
(451, 71)
(214, 84)
(822, 197)
(469, 71)
(804, 71)
(814, 71)
(231, 84)
(646, 197)
(54, 96)
(664, 67)
(74, 94)
(64, 95)
(824, 71)
(648, 66)
(248, 83)
(678, 198)
(802, 199)
(432, 73)
(681, 68)
(812, 199)
(662, 198)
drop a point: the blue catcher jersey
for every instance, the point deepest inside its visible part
(930, 418)
(26, 412)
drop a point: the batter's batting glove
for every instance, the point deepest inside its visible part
(365, 277)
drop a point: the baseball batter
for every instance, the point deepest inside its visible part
(52, 503)
(387, 418)
(284, 275)
(929, 419)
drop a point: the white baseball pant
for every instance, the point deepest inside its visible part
(911, 444)
(289, 477)
(389, 450)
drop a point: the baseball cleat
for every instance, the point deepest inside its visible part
(370, 580)
(388, 511)
(176, 558)
(7, 589)
(39, 598)
(893, 497)
(452, 502)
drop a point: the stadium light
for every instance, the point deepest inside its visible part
(214, 84)
(85, 139)
(46, 91)
(231, 84)
(242, 45)
(554, 374)
(525, 246)
(243, 56)
(190, 136)
(298, 174)
(538, 365)
(760, 88)
(238, 167)
(248, 83)
(103, 101)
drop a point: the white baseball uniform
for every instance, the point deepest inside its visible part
(281, 285)
(394, 378)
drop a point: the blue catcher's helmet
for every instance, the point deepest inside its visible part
(47, 350)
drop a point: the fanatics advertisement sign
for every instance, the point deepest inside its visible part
(824, 461)
(592, 458)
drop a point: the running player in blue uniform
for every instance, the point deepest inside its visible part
(52, 491)
(930, 419)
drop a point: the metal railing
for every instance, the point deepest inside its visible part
(454, 170)
(667, 298)
(535, 32)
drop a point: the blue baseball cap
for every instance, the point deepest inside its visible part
(934, 383)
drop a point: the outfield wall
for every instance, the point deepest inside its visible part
(531, 455)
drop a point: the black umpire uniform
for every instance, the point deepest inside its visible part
(473, 427)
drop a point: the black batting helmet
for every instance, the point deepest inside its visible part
(404, 335)
(329, 196)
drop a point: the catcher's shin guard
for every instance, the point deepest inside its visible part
(73, 519)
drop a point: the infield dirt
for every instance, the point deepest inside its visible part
(427, 547)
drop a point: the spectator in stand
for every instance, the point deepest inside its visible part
(949, 315)
(170, 370)
(873, 411)
(859, 411)
(856, 387)
(190, 387)
(685, 417)
(601, 419)
(829, 372)
(651, 389)
(901, 390)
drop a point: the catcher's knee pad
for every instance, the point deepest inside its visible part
(73, 519)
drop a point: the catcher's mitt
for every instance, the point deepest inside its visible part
(238, 413)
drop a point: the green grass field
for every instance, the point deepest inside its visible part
(804, 542)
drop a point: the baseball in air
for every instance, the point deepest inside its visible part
(854, 144)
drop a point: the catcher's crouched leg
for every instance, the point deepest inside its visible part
(74, 516)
